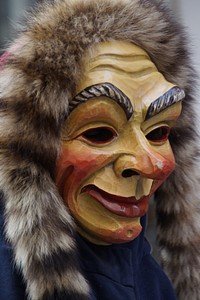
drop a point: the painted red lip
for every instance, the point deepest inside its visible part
(122, 206)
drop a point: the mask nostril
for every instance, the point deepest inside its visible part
(129, 173)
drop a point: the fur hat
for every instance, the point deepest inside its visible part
(37, 81)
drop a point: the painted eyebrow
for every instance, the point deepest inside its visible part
(103, 89)
(171, 97)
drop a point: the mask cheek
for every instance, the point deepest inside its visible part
(164, 168)
(168, 165)
(76, 163)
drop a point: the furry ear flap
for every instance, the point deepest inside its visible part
(37, 223)
(178, 211)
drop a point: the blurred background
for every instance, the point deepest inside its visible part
(186, 11)
(10, 12)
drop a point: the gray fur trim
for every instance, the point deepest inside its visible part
(37, 81)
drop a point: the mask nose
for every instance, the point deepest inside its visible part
(148, 164)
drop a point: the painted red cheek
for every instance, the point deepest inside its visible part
(168, 168)
(169, 165)
(164, 166)
(154, 167)
(75, 164)
(81, 162)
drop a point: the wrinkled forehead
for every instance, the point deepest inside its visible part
(126, 66)
(126, 53)
(125, 73)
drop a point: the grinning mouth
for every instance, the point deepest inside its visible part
(122, 206)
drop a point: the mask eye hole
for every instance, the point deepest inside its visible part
(99, 135)
(158, 135)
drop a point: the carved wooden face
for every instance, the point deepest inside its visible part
(115, 151)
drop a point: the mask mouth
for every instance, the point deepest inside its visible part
(119, 205)
(91, 188)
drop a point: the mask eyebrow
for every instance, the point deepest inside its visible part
(103, 89)
(171, 97)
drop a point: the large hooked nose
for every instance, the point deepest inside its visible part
(147, 163)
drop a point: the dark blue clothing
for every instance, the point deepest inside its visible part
(125, 271)
(11, 284)
(116, 272)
